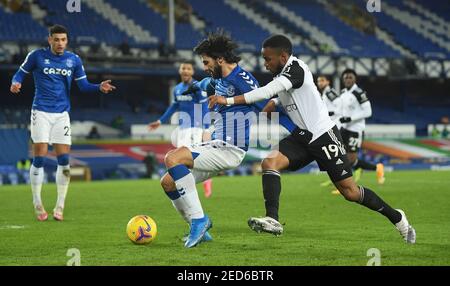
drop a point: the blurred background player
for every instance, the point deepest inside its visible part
(53, 70)
(355, 109)
(193, 107)
(331, 98)
(334, 105)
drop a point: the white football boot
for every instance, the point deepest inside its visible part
(406, 230)
(265, 224)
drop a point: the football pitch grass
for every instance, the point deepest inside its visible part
(320, 228)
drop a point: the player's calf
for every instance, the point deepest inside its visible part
(167, 183)
(349, 189)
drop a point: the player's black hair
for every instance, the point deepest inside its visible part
(346, 71)
(218, 45)
(187, 62)
(280, 42)
(327, 77)
(57, 29)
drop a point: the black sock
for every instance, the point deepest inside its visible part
(364, 165)
(271, 189)
(374, 202)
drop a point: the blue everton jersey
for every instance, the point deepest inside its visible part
(53, 75)
(195, 105)
(192, 107)
(233, 123)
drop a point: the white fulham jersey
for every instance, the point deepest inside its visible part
(356, 105)
(334, 104)
(301, 99)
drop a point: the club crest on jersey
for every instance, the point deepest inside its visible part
(230, 90)
(69, 63)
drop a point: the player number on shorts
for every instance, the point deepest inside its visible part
(67, 129)
(332, 148)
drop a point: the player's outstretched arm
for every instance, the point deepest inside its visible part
(262, 93)
(154, 125)
(165, 117)
(27, 66)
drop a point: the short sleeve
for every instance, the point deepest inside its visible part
(360, 95)
(294, 73)
(29, 63)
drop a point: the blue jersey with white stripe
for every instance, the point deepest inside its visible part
(53, 75)
(191, 107)
(233, 123)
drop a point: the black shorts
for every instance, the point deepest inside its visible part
(328, 151)
(352, 140)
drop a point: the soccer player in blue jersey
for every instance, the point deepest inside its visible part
(192, 108)
(188, 165)
(53, 70)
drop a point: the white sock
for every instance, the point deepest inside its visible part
(179, 204)
(189, 202)
(36, 180)
(62, 184)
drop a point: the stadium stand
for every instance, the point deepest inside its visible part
(128, 40)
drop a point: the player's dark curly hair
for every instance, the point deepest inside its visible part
(218, 45)
(57, 29)
(346, 71)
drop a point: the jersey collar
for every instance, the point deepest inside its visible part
(354, 86)
(289, 61)
(326, 89)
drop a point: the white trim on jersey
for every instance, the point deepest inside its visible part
(81, 77)
(22, 69)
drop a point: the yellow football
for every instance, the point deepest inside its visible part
(141, 229)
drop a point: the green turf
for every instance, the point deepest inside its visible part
(320, 228)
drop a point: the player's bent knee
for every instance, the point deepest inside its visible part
(170, 159)
(178, 156)
(269, 164)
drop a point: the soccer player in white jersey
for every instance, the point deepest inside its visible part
(53, 69)
(194, 106)
(315, 138)
(355, 109)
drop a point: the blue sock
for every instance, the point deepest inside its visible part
(179, 171)
(38, 161)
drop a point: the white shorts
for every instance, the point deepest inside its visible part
(214, 156)
(186, 136)
(51, 128)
